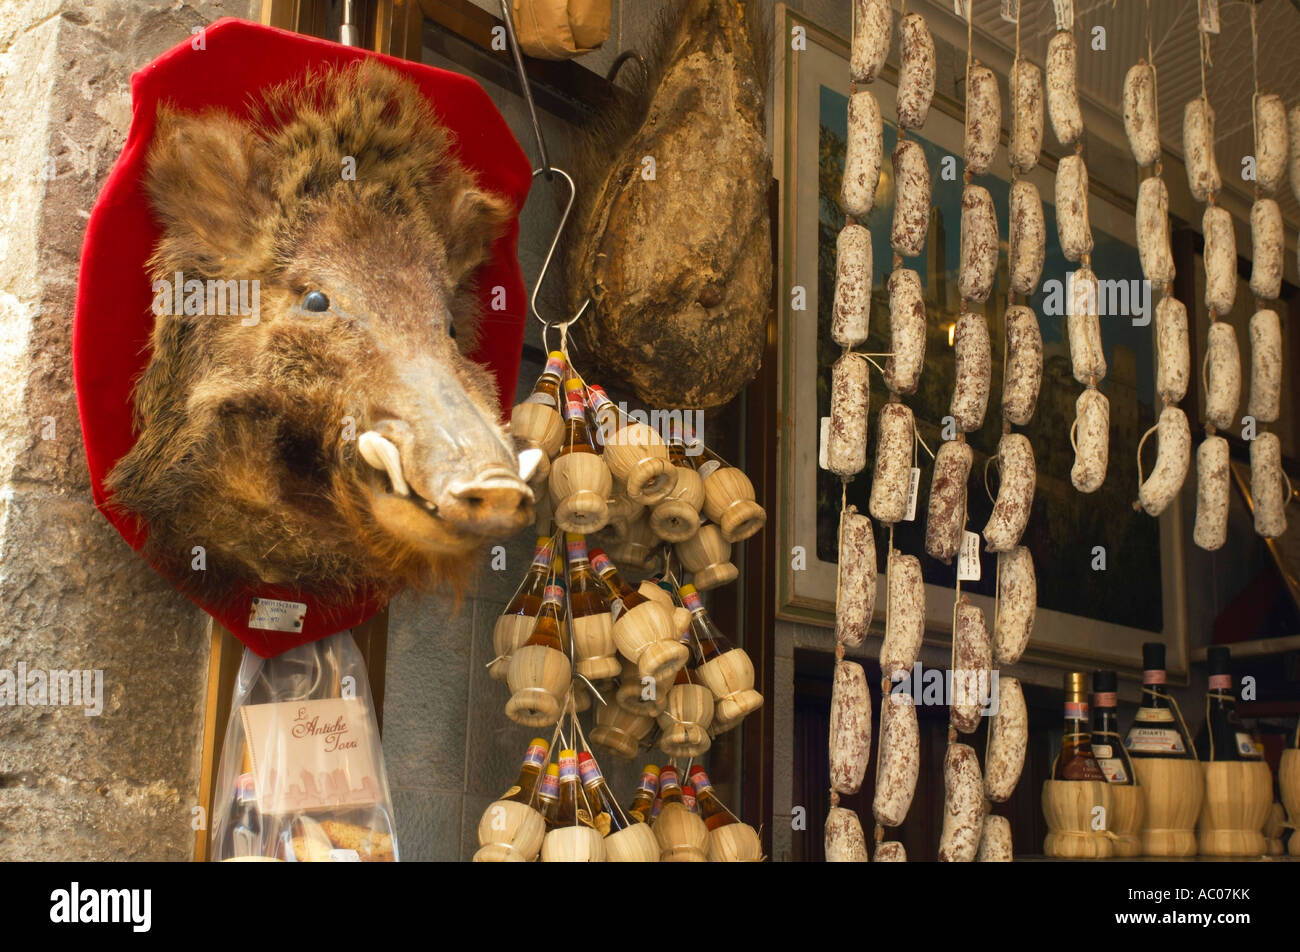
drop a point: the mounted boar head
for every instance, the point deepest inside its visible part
(337, 438)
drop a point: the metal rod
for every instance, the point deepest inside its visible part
(528, 97)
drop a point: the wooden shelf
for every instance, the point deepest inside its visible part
(1260, 647)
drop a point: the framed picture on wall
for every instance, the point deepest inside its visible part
(1109, 578)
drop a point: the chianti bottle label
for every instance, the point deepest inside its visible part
(1154, 740)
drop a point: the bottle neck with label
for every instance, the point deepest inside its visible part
(528, 600)
(647, 791)
(548, 793)
(549, 629)
(622, 595)
(577, 435)
(711, 642)
(572, 807)
(1156, 730)
(550, 384)
(1223, 736)
(609, 816)
(670, 786)
(1076, 760)
(1107, 744)
(604, 413)
(710, 807)
(587, 594)
(530, 772)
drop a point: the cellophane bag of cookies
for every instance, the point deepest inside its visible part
(302, 774)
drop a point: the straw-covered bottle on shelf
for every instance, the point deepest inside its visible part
(540, 673)
(515, 624)
(580, 480)
(724, 668)
(730, 840)
(512, 827)
(644, 628)
(626, 841)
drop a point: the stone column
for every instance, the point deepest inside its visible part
(119, 785)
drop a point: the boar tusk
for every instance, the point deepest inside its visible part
(382, 454)
(529, 460)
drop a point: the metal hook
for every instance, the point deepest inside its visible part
(550, 253)
(527, 90)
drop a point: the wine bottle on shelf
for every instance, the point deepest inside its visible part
(1076, 760)
(1223, 736)
(622, 595)
(647, 792)
(670, 785)
(530, 772)
(608, 816)
(572, 807)
(550, 384)
(603, 412)
(1156, 731)
(710, 807)
(1107, 745)
(548, 794)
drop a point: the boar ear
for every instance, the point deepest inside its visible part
(474, 221)
(207, 183)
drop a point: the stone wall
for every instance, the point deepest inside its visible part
(119, 785)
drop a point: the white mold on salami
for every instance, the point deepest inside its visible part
(1223, 376)
(1220, 259)
(983, 119)
(1267, 489)
(1172, 354)
(1154, 248)
(1026, 115)
(1140, 114)
(1027, 239)
(906, 331)
(857, 578)
(862, 155)
(916, 71)
(844, 841)
(851, 313)
(1063, 89)
(846, 446)
(1173, 456)
(892, 479)
(1083, 327)
(1212, 501)
(1270, 142)
(963, 805)
(1267, 245)
(891, 851)
(946, 515)
(1015, 498)
(900, 759)
(1092, 439)
(1072, 208)
(970, 396)
(905, 620)
(1198, 149)
(911, 199)
(1017, 605)
(1293, 149)
(1008, 738)
(979, 244)
(850, 734)
(872, 24)
(1265, 366)
(971, 675)
(1023, 373)
(995, 841)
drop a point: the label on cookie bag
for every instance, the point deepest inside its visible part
(313, 755)
(274, 614)
(344, 856)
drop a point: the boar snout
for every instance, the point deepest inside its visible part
(495, 501)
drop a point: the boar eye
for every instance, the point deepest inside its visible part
(315, 301)
(451, 329)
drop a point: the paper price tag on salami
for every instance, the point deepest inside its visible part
(1011, 10)
(961, 8)
(912, 491)
(968, 558)
(824, 442)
